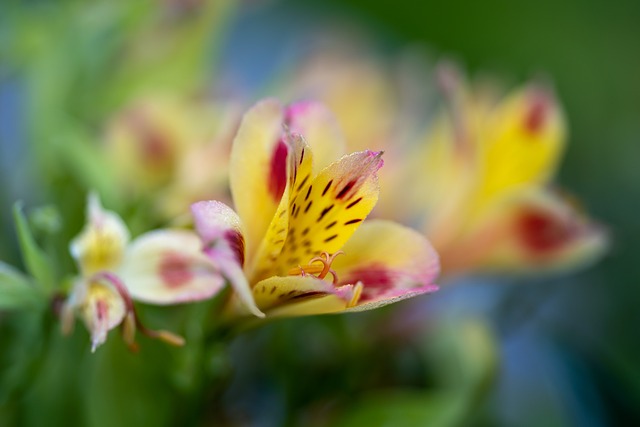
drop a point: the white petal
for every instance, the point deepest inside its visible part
(168, 267)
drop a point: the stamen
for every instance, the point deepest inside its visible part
(357, 293)
(132, 321)
(320, 271)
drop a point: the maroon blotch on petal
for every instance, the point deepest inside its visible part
(174, 270)
(541, 232)
(538, 110)
(345, 189)
(278, 170)
(236, 243)
(376, 280)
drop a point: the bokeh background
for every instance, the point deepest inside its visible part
(558, 350)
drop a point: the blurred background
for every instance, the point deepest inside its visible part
(556, 350)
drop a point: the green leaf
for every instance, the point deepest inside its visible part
(16, 290)
(36, 261)
(46, 219)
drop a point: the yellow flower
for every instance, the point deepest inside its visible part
(483, 184)
(160, 267)
(298, 212)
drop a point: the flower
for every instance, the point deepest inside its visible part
(172, 150)
(487, 164)
(159, 267)
(298, 243)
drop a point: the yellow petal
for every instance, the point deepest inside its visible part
(325, 212)
(450, 167)
(297, 296)
(258, 169)
(522, 141)
(100, 245)
(392, 262)
(325, 304)
(299, 172)
(168, 267)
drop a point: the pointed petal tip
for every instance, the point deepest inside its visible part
(204, 205)
(96, 342)
(212, 219)
(541, 104)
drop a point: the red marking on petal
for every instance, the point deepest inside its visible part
(154, 146)
(541, 232)
(376, 280)
(278, 170)
(236, 243)
(351, 183)
(309, 294)
(346, 189)
(174, 270)
(102, 309)
(538, 111)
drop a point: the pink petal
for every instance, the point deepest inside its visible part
(220, 229)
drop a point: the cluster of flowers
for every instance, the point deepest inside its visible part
(475, 183)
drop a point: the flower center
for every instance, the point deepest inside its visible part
(318, 266)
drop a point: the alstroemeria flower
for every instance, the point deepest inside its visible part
(486, 198)
(159, 267)
(173, 151)
(298, 243)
